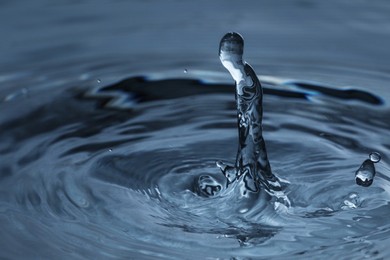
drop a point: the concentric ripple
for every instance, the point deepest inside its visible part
(92, 179)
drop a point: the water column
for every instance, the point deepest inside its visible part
(252, 168)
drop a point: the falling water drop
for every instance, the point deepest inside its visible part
(98, 81)
(185, 71)
(364, 176)
(375, 157)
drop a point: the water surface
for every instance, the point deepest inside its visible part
(105, 135)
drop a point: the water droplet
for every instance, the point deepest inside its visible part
(98, 81)
(375, 157)
(185, 71)
(364, 176)
(110, 150)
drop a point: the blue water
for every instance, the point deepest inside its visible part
(111, 111)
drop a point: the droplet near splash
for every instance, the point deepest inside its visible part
(375, 157)
(364, 176)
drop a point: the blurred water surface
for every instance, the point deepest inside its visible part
(96, 166)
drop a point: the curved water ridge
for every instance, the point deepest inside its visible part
(92, 180)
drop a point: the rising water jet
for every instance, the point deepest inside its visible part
(252, 170)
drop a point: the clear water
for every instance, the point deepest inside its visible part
(251, 174)
(111, 112)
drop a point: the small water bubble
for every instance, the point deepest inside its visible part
(375, 157)
(185, 71)
(98, 81)
(110, 150)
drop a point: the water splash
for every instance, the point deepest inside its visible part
(364, 176)
(252, 170)
(207, 186)
(352, 202)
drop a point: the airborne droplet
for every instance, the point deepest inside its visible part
(375, 157)
(364, 176)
